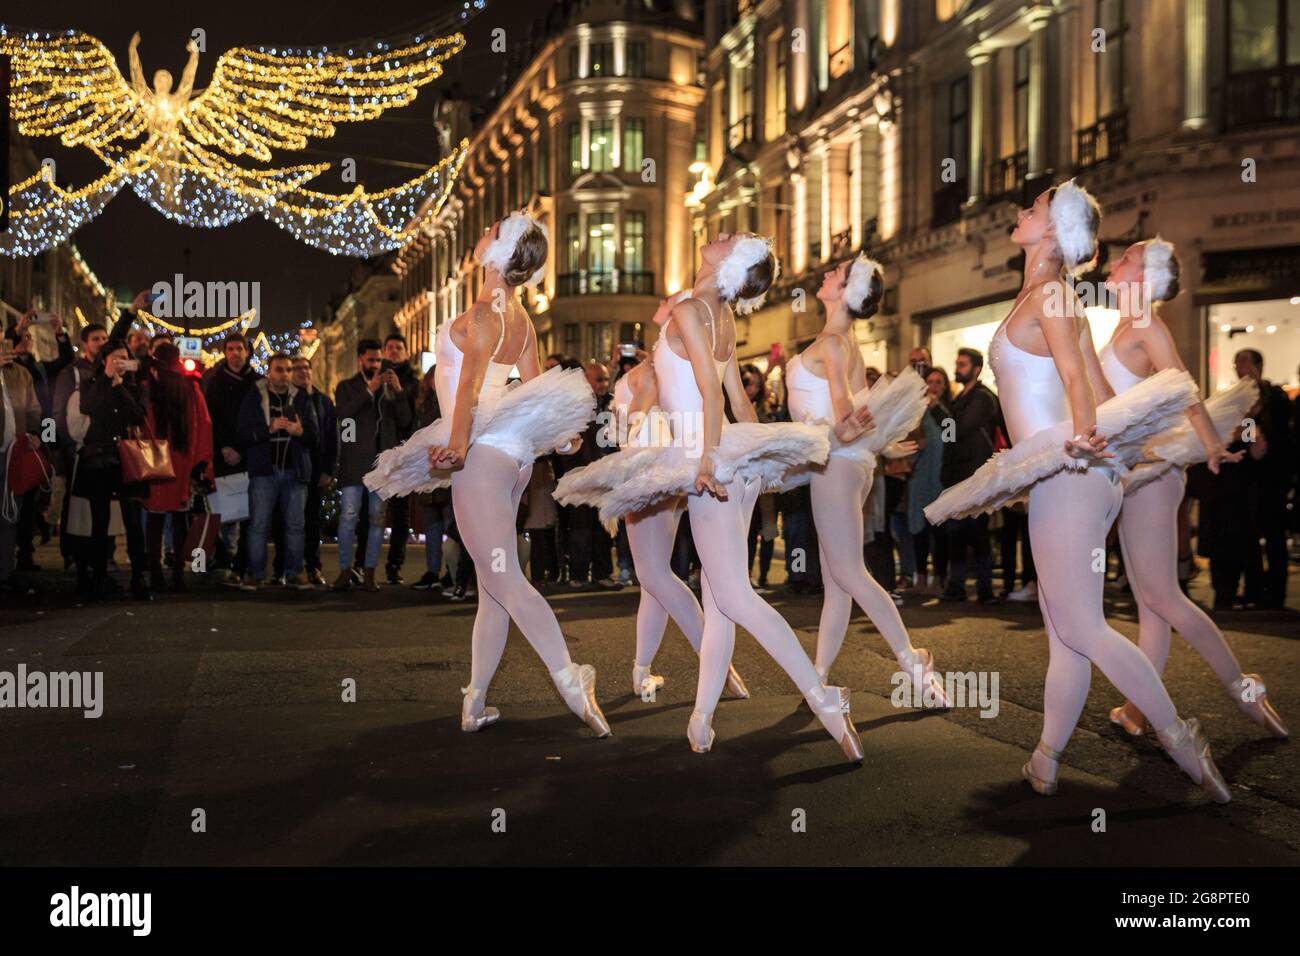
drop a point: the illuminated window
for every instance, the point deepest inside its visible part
(575, 148)
(633, 144)
(634, 59)
(602, 145)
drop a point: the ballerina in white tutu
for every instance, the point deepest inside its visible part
(1044, 361)
(827, 383)
(484, 446)
(652, 531)
(721, 469)
(1144, 277)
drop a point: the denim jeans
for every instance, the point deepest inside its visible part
(267, 493)
(351, 512)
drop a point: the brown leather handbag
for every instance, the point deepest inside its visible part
(145, 459)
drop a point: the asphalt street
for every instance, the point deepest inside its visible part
(236, 705)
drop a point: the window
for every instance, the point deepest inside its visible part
(634, 242)
(600, 59)
(602, 340)
(575, 148)
(543, 162)
(573, 340)
(959, 123)
(634, 59)
(1263, 62)
(1110, 65)
(600, 251)
(572, 244)
(602, 146)
(633, 144)
(526, 171)
(1022, 94)
(777, 66)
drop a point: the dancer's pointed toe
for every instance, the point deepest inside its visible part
(1131, 719)
(1187, 740)
(736, 686)
(699, 732)
(474, 715)
(831, 705)
(644, 684)
(577, 685)
(1043, 785)
(1252, 697)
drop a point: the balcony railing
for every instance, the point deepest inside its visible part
(841, 60)
(1007, 175)
(610, 282)
(948, 201)
(1104, 140)
(740, 131)
(1263, 96)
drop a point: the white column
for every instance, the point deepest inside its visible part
(1195, 107)
(979, 61)
(1038, 93)
(855, 187)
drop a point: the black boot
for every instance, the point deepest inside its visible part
(178, 578)
(157, 580)
(139, 589)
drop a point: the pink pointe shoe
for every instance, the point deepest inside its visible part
(577, 685)
(644, 684)
(831, 705)
(1249, 693)
(474, 716)
(919, 665)
(1187, 738)
(1131, 719)
(699, 732)
(1044, 785)
(735, 686)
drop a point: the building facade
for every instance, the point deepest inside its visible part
(914, 130)
(594, 136)
(367, 310)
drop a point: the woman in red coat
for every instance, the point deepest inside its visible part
(177, 412)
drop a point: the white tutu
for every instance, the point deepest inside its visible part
(896, 404)
(1128, 421)
(636, 478)
(526, 421)
(1180, 446)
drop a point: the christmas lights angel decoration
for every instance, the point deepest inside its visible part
(199, 156)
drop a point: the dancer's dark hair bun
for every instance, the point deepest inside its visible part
(530, 255)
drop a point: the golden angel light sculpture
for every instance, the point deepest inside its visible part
(187, 152)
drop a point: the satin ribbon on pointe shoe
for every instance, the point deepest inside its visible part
(825, 701)
(699, 732)
(471, 721)
(1040, 784)
(577, 685)
(1188, 733)
(1257, 708)
(921, 669)
(643, 681)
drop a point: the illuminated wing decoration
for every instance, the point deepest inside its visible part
(261, 100)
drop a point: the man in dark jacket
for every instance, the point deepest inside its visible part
(277, 430)
(227, 386)
(399, 509)
(968, 443)
(324, 462)
(373, 415)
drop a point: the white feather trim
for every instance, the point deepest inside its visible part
(636, 478)
(502, 249)
(1157, 269)
(1128, 421)
(1180, 446)
(733, 271)
(1075, 230)
(529, 420)
(856, 290)
(896, 404)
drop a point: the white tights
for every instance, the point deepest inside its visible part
(485, 495)
(1069, 515)
(1148, 535)
(650, 535)
(838, 494)
(719, 529)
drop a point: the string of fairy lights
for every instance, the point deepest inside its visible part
(68, 85)
(261, 346)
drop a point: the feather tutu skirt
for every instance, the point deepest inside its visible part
(1180, 446)
(635, 478)
(896, 404)
(1128, 421)
(525, 421)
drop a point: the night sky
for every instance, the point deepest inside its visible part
(131, 246)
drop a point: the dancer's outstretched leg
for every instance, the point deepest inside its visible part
(1148, 533)
(1069, 515)
(839, 492)
(485, 496)
(719, 527)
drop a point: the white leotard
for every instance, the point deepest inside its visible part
(1119, 376)
(809, 394)
(446, 376)
(678, 392)
(1029, 386)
